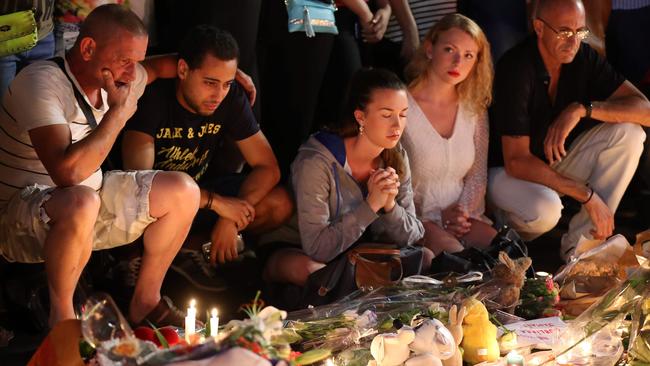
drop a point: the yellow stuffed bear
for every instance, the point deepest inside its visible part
(479, 334)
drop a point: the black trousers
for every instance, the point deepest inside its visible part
(292, 69)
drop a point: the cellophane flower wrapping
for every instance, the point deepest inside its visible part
(593, 335)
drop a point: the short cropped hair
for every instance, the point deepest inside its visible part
(205, 39)
(104, 19)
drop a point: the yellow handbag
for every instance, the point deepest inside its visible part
(18, 32)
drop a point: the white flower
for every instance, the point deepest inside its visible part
(270, 322)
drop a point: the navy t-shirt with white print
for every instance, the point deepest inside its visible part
(185, 141)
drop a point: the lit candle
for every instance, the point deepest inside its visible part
(190, 321)
(514, 359)
(214, 323)
(542, 274)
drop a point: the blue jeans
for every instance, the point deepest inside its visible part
(10, 65)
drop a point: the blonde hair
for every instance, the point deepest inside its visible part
(476, 90)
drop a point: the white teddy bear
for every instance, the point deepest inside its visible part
(392, 349)
(431, 343)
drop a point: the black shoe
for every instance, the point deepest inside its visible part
(195, 269)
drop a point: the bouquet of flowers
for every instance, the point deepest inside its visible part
(593, 333)
(105, 329)
(348, 325)
(639, 346)
(538, 297)
(263, 333)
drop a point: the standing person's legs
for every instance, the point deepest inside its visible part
(11, 65)
(242, 21)
(384, 54)
(8, 70)
(292, 69)
(530, 208)
(344, 61)
(43, 50)
(606, 157)
(306, 61)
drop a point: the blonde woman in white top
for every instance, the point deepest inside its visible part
(447, 137)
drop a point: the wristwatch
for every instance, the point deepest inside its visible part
(588, 107)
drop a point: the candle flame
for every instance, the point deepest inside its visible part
(192, 303)
(215, 313)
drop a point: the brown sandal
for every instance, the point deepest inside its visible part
(166, 313)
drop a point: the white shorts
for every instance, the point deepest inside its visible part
(123, 215)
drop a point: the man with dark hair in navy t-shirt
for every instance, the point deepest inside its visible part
(180, 125)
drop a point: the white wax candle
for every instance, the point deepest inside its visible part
(190, 320)
(190, 324)
(191, 311)
(214, 323)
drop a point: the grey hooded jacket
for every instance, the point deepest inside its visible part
(331, 207)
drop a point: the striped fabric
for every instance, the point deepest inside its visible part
(41, 95)
(629, 4)
(44, 12)
(426, 14)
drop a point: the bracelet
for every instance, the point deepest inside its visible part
(208, 205)
(591, 194)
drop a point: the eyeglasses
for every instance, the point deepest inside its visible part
(564, 35)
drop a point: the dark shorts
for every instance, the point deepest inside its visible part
(227, 185)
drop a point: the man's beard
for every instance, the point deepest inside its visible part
(196, 107)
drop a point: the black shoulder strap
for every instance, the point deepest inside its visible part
(85, 107)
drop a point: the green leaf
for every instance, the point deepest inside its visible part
(161, 339)
(86, 350)
(313, 356)
(288, 336)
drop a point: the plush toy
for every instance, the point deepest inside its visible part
(425, 359)
(455, 327)
(392, 349)
(508, 276)
(432, 337)
(479, 334)
(433, 343)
